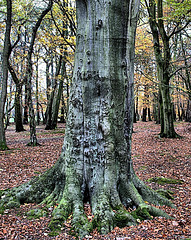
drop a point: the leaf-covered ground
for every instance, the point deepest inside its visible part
(153, 157)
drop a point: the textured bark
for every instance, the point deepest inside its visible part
(18, 109)
(163, 58)
(56, 105)
(37, 93)
(33, 138)
(26, 109)
(187, 81)
(95, 164)
(52, 96)
(3, 83)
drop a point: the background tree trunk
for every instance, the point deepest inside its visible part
(18, 93)
(3, 83)
(144, 116)
(52, 96)
(33, 138)
(18, 109)
(163, 66)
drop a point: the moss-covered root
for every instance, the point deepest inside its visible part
(60, 214)
(8, 200)
(144, 211)
(80, 223)
(106, 218)
(70, 205)
(150, 195)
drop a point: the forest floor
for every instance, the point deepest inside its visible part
(153, 157)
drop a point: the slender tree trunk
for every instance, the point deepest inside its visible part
(188, 111)
(33, 138)
(48, 82)
(149, 114)
(18, 93)
(18, 110)
(95, 164)
(8, 107)
(25, 118)
(56, 102)
(63, 110)
(37, 101)
(137, 108)
(49, 110)
(3, 86)
(144, 116)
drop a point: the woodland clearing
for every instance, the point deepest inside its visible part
(153, 157)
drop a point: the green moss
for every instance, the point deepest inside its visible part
(96, 223)
(13, 204)
(141, 213)
(165, 193)
(122, 218)
(81, 225)
(2, 209)
(162, 180)
(52, 132)
(36, 213)
(3, 146)
(55, 226)
(2, 192)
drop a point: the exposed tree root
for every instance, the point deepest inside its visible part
(108, 207)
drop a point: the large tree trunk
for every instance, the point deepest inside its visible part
(95, 164)
(3, 83)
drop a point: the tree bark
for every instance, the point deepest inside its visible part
(37, 93)
(3, 83)
(18, 109)
(187, 81)
(144, 116)
(95, 164)
(149, 114)
(33, 138)
(163, 66)
(56, 102)
(49, 109)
